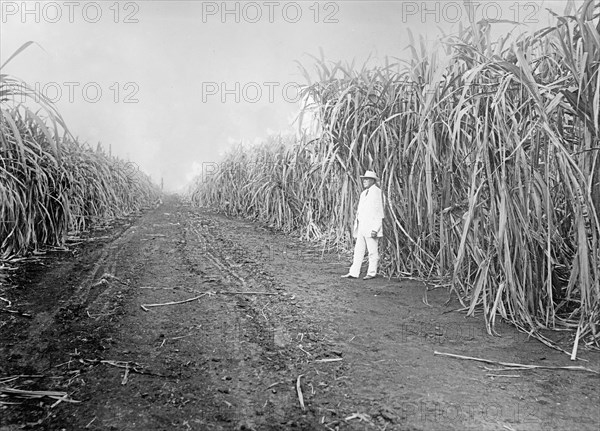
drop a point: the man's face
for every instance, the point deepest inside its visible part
(368, 182)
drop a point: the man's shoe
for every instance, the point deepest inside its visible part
(369, 277)
(348, 276)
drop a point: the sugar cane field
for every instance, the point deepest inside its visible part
(128, 305)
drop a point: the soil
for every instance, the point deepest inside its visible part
(271, 320)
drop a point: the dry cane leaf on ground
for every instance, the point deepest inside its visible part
(299, 391)
(20, 313)
(145, 306)
(518, 366)
(4, 380)
(129, 366)
(20, 393)
(360, 416)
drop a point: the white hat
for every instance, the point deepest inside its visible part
(370, 174)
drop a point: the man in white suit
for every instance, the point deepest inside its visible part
(368, 227)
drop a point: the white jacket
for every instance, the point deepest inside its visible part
(369, 215)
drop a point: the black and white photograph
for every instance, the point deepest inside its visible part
(300, 215)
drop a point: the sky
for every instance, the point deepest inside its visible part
(172, 85)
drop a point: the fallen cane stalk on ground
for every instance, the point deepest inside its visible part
(519, 366)
(125, 376)
(299, 392)
(145, 306)
(20, 393)
(4, 380)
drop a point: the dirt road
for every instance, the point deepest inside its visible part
(267, 322)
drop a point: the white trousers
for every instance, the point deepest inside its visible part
(371, 244)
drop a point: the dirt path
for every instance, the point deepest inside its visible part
(363, 352)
